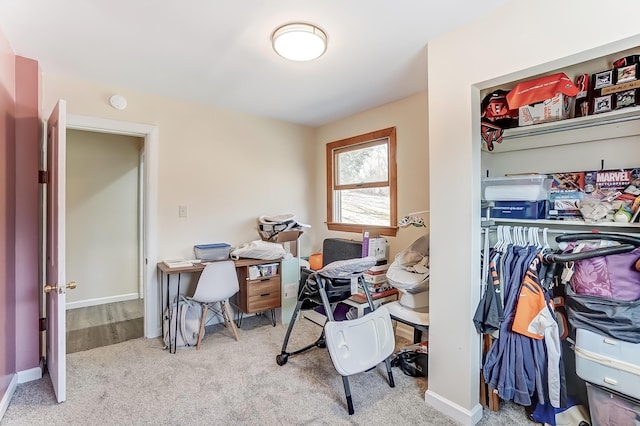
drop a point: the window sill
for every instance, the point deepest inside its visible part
(388, 231)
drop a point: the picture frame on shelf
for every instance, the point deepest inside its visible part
(626, 74)
(602, 104)
(603, 79)
(626, 98)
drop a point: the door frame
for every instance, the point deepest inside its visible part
(149, 203)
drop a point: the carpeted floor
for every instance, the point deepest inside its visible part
(137, 382)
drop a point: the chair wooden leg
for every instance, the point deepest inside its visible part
(228, 318)
(205, 308)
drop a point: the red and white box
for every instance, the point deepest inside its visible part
(543, 99)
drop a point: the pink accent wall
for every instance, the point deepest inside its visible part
(7, 215)
(19, 241)
(27, 291)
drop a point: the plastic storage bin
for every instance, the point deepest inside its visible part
(608, 362)
(609, 409)
(268, 269)
(516, 188)
(207, 252)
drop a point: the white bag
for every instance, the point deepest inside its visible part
(259, 249)
(188, 314)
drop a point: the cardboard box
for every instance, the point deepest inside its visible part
(288, 239)
(374, 245)
(553, 109)
(565, 205)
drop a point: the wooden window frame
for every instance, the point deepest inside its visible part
(358, 142)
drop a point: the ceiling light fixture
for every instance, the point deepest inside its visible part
(299, 41)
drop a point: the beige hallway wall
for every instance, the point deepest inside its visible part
(102, 207)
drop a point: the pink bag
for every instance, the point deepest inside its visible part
(613, 276)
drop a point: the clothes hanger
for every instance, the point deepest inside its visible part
(545, 240)
(498, 244)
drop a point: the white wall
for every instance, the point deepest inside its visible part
(102, 211)
(519, 40)
(228, 168)
(410, 118)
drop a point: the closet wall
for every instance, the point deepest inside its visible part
(514, 43)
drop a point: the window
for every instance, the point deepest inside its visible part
(361, 183)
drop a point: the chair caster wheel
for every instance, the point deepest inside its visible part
(282, 359)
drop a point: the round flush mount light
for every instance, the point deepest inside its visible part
(118, 102)
(299, 41)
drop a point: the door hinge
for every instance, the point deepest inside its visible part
(43, 176)
(43, 324)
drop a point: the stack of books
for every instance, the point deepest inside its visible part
(376, 275)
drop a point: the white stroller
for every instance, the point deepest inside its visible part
(355, 345)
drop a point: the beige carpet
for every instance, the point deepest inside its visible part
(226, 382)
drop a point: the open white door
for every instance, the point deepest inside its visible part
(55, 287)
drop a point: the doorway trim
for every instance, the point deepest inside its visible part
(152, 326)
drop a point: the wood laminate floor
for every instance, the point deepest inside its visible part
(103, 325)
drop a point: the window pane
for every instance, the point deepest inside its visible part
(363, 165)
(369, 206)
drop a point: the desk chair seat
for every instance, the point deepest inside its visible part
(217, 283)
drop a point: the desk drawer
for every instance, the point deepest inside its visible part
(264, 286)
(264, 302)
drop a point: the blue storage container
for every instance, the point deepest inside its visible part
(518, 209)
(208, 252)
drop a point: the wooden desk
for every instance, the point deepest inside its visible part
(254, 295)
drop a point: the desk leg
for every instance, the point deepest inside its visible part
(162, 302)
(175, 335)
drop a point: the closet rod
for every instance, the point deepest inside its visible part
(560, 231)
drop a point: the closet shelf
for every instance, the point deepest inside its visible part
(614, 124)
(564, 223)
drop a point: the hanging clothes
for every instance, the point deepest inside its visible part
(490, 313)
(535, 318)
(524, 363)
(509, 367)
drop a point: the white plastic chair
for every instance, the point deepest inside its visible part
(217, 283)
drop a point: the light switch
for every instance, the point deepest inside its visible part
(182, 211)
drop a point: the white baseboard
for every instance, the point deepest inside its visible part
(453, 410)
(29, 375)
(101, 301)
(6, 398)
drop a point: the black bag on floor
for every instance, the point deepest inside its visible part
(412, 363)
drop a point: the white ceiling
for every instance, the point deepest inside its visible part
(218, 52)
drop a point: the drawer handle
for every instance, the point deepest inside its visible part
(265, 294)
(610, 381)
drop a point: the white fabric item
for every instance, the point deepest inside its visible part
(347, 268)
(259, 249)
(410, 269)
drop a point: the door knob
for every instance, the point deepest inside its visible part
(49, 288)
